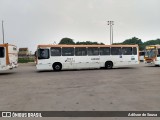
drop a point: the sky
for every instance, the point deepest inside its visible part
(28, 23)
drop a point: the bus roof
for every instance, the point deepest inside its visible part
(6, 44)
(60, 45)
(152, 46)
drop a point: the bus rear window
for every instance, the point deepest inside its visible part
(1, 52)
(134, 51)
(43, 53)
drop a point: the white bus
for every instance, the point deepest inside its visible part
(8, 57)
(60, 57)
(141, 56)
(152, 55)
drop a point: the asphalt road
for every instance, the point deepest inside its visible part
(130, 88)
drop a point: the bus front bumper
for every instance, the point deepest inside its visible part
(153, 63)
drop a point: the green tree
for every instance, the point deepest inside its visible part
(67, 41)
(152, 42)
(133, 41)
(141, 44)
(89, 43)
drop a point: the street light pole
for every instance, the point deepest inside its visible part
(112, 31)
(3, 31)
(111, 23)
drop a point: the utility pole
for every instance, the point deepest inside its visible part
(111, 23)
(3, 31)
(112, 31)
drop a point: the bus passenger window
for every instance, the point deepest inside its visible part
(104, 51)
(80, 51)
(1, 52)
(127, 50)
(93, 51)
(14, 48)
(116, 51)
(68, 51)
(55, 51)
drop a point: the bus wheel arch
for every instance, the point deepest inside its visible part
(108, 64)
(57, 66)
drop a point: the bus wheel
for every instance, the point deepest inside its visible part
(108, 65)
(57, 66)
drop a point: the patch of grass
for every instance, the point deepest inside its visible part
(25, 60)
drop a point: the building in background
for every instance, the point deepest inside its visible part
(23, 52)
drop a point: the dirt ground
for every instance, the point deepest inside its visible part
(129, 88)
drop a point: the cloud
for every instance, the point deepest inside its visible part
(31, 22)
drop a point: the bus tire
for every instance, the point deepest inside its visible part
(109, 65)
(57, 66)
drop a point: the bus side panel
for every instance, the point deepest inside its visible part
(104, 58)
(141, 58)
(157, 62)
(13, 56)
(68, 62)
(94, 61)
(86, 62)
(117, 60)
(3, 61)
(81, 62)
(130, 59)
(44, 64)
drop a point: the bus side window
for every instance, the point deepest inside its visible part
(14, 48)
(2, 52)
(55, 51)
(93, 51)
(104, 51)
(134, 51)
(116, 51)
(127, 50)
(68, 51)
(80, 51)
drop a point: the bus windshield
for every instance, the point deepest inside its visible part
(150, 53)
(43, 53)
(1, 52)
